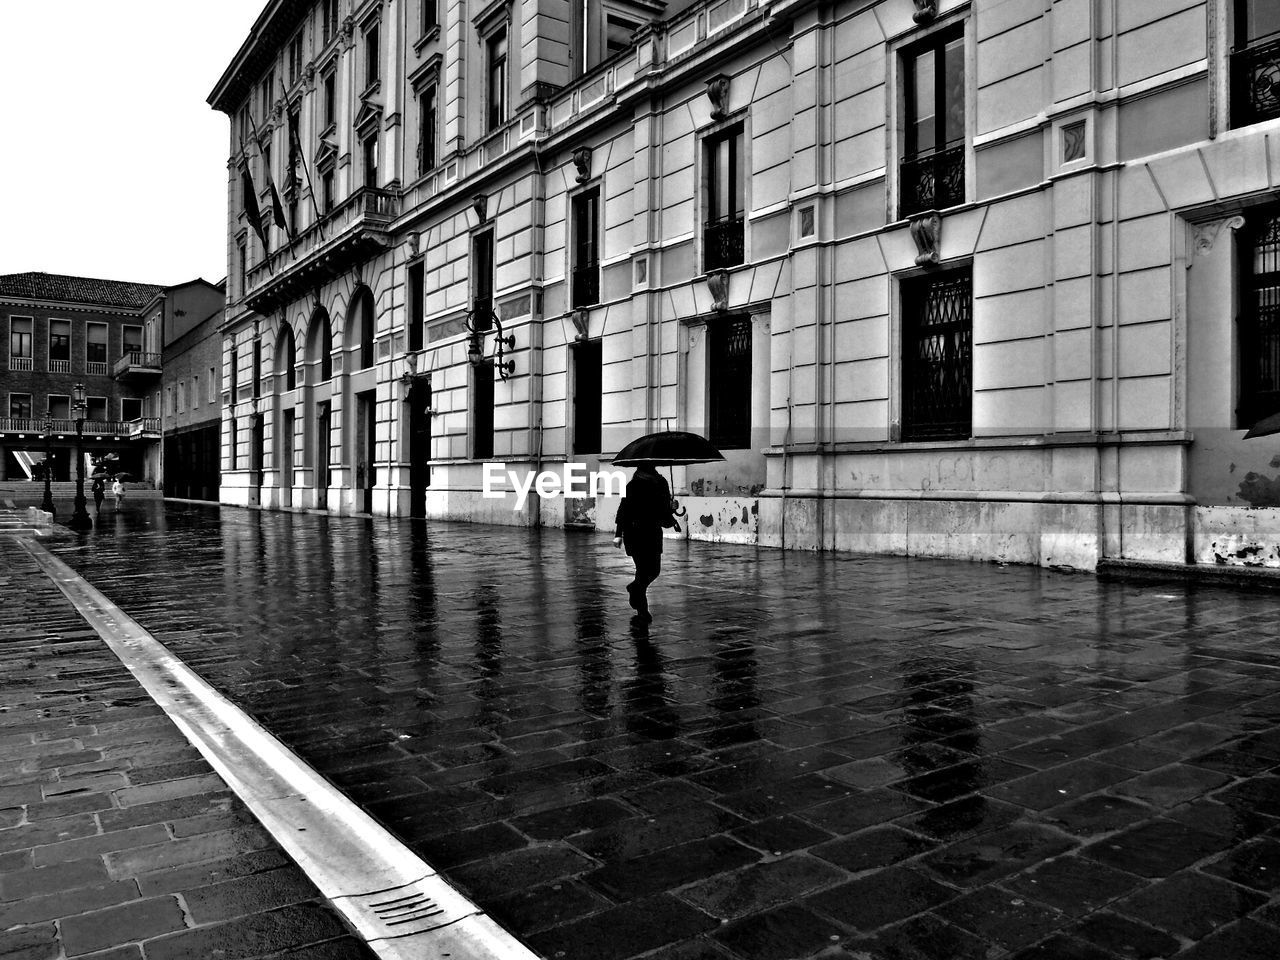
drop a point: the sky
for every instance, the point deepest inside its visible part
(113, 165)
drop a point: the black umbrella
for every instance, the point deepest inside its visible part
(669, 448)
(1264, 427)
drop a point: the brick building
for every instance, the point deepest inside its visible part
(60, 331)
(975, 279)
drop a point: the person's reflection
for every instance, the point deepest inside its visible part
(938, 706)
(735, 696)
(646, 696)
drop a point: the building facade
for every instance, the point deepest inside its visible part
(971, 279)
(60, 331)
(189, 396)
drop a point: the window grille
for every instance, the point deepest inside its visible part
(937, 357)
(1259, 324)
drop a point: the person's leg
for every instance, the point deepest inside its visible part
(648, 566)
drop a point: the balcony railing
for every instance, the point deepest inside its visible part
(137, 363)
(933, 181)
(586, 285)
(21, 363)
(1255, 83)
(59, 366)
(722, 243)
(96, 368)
(61, 427)
(352, 232)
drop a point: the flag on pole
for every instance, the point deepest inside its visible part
(251, 204)
(277, 211)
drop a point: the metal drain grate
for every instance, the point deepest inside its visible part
(403, 911)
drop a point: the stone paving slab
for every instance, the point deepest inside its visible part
(116, 839)
(805, 756)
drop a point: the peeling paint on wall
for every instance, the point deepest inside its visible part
(1259, 490)
(1237, 552)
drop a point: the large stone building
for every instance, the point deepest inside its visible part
(976, 279)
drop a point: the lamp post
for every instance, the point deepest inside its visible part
(47, 503)
(80, 516)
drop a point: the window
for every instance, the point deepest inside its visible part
(415, 305)
(369, 152)
(181, 402)
(131, 338)
(618, 31)
(1259, 321)
(287, 358)
(195, 392)
(242, 264)
(329, 19)
(587, 395)
(59, 406)
(266, 162)
(233, 372)
(256, 374)
(326, 192)
(20, 405)
(268, 92)
(365, 358)
(482, 278)
(426, 129)
(96, 347)
(932, 172)
(428, 16)
(1255, 62)
(130, 409)
(729, 383)
(937, 356)
(59, 346)
(295, 59)
(231, 445)
(213, 385)
(722, 236)
(482, 410)
(96, 409)
(168, 401)
(496, 48)
(586, 247)
(330, 99)
(20, 343)
(372, 67)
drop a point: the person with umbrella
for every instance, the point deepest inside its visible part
(99, 491)
(647, 506)
(117, 489)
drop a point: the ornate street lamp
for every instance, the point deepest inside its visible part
(47, 503)
(80, 516)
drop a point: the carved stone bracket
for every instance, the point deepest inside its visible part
(582, 162)
(926, 11)
(718, 93)
(309, 76)
(480, 203)
(718, 284)
(926, 231)
(579, 318)
(1206, 234)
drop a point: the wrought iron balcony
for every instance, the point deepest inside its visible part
(351, 233)
(586, 285)
(722, 243)
(137, 365)
(932, 181)
(1255, 83)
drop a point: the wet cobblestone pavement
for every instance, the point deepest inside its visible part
(803, 756)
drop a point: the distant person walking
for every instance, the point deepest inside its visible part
(644, 512)
(117, 491)
(99, 491)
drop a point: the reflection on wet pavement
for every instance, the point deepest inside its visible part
(803, 756)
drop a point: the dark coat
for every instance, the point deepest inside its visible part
(644, 511)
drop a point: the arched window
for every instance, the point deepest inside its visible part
(287, 357)
(320, 343)
(360, 324)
